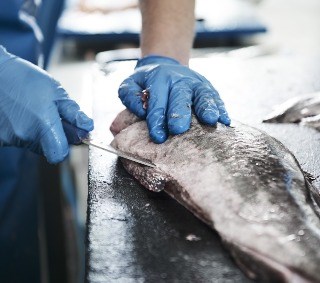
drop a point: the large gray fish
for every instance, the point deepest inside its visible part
(244, 184)
(302, 109)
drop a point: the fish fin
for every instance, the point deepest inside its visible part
(291, 111)
(279, 114)
(276, 117)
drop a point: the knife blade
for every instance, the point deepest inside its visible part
(78, 136)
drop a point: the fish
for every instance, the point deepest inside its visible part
(244, 184)
(304, 110)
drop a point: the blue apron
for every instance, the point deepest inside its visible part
(19, 32)
(19, 180)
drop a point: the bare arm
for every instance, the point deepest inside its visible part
(167, 28)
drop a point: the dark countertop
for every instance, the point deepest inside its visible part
(135, 235)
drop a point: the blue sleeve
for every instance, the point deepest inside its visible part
(19, 32)
(10, 9)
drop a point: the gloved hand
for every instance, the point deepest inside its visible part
(31, 107)
(171, 90)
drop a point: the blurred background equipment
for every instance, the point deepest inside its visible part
(102, 25)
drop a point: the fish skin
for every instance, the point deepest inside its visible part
(123, 120)
(296, 110)
(312, 122)
(244, 184)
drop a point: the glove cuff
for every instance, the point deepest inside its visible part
(156, 59)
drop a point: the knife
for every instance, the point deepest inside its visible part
(78, 136)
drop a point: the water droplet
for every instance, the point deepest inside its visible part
(237, 174)
(203, 263)
(291, 237)
(192, 238)
(301, 232)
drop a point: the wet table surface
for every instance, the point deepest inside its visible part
(134, 235)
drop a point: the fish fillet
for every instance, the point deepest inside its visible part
(244, 184)
(302, 109)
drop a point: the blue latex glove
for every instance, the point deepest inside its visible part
(31, 107)
(173, 89)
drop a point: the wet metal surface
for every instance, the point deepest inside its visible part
(138, 236)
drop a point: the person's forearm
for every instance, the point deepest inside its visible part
(167, 28)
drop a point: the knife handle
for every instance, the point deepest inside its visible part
(74, 134)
